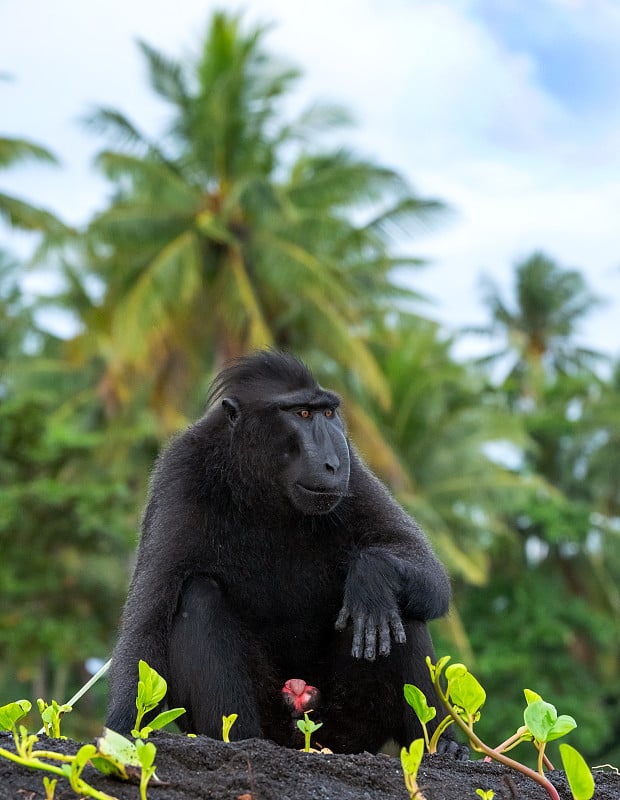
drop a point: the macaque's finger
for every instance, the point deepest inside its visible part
(343, 618)
(358, 636)
(398, 631)
(370, 634)
(385, 643)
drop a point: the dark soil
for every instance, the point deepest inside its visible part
(260, 770)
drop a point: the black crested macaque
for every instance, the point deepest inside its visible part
(271, 553)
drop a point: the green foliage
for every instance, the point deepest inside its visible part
(463, 697)
(578, 773)
(410, 760)
(116, 756)
(146, 755)
(50, 716)
(531, 605)
(417, 700)
(49, 784)
(65, 524)
(237, 209)
(465, 692)
(543, 723)
(485, 794)
(307, 727)
(227, 723)
(11, 713)
(113, 754)
(152, 689)
(70, 767)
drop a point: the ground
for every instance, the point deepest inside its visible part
(193, 769)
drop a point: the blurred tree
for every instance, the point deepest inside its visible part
(451, 436)
(16, 321)
(62, 523)
(232, 231)
(17, 212)
(67, 515)
(540, 325)
(556, 578)
(443, 425)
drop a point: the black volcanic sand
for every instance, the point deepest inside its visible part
(256, 769)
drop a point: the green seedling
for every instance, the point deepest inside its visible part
(152, 689)
(124, 759)
(49, 784)
(485, 794)
(69, 767)
(543, 724)
(410, 760)
(463, 698)
(11, 714)
(116, 756)
(227, 723)
(425, 713)
(146, 754)
(50, 716)
(307, 727)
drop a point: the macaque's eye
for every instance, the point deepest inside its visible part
(329, 412)
(305, 413)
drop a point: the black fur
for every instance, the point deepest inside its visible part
(269, 551)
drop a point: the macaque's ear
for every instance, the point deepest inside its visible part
(231, 406)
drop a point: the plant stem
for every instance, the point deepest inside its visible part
(31, 764)
(513, 741)
(541, 756)
(479, 745)
(81, 787)
(51, 755)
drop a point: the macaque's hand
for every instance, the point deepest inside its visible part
(376, 621)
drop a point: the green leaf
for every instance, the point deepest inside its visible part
(227, 723)
(578, 773)
(152, 687)
(308, 726)
(417, 700)
(80, 760)
(165, 718)
(146, 754)
(540, 718)
(114, 754)
(412, 758)
(563, 725)
(11, 713)
(531, 697)
(464, 690)
(456, 671)
(436, 669)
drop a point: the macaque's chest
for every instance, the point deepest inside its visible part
(295, 580)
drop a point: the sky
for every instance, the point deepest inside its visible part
(506, 110)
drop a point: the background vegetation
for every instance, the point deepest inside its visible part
(236, 227)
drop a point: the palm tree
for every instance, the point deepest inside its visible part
(232, 230)
(17, 212)
(445, 428)
(567, 531)
(539, 328)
